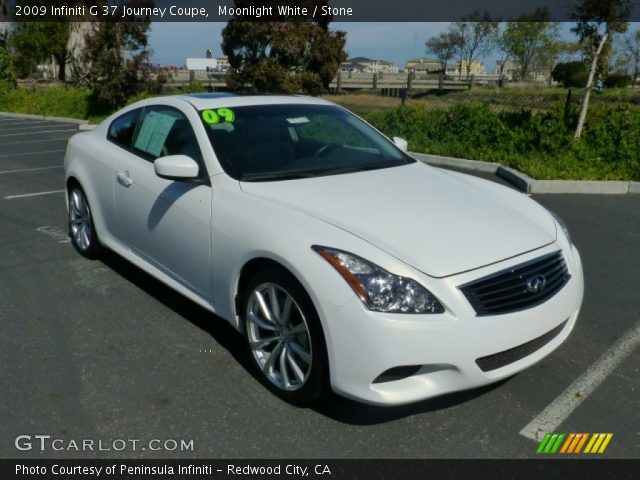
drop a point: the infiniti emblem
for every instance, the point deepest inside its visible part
(536, 284)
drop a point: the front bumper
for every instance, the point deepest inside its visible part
(364, 344)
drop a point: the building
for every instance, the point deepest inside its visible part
(367, 65)
(512, 72)
(208, 64)
(423, 65)
(475, 68)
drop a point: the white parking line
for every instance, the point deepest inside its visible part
(24, 195)
(21, 170)
(13, 122)
(38, 133)
(35, 141)
(559, 410)
(29, 153)
(20, 127)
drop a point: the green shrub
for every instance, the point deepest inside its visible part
(617, 80)
(538, 143)
(570, 74)
(57, 101)
(6, 69)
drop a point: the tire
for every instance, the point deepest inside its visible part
(297, 337)
(82, 231)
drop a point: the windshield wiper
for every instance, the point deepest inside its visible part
(293, 175)
(358, 168)
(259, 177)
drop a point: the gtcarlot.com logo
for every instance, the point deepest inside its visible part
(48, 443)
(573, 443)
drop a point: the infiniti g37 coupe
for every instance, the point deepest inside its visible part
(344, 263)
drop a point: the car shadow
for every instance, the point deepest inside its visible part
(348, 411)
(333, 406)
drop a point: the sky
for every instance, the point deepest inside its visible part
(173, 42)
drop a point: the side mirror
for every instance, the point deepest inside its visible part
(176, 167)
(401, 143)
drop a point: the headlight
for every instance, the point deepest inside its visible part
(379, 290)
(563, 225)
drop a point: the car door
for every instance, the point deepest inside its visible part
(166, 222)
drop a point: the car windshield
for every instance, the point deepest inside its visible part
(280, 142)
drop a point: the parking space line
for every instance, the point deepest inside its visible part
(35, 141)
(37, 133)
(16, 123)
(29, 153)
(31, 127)
(22, 170)
(24, 195)
(559, 410)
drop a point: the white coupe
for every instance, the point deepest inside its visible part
(344, 263)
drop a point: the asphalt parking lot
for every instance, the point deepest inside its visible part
(100, 350)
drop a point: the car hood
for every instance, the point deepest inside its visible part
(437, 221)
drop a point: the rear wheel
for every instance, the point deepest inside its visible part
(81, 228)
(284, 338)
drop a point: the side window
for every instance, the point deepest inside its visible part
(122, 128)
(166, 131)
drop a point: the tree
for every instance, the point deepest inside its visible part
(631, 54)
(4, 21)
(476, 33)
(293, 54)
(554, 53)
(116, 57)
(570, 74)
(6, 69)
(596, 21)
(33, 43)
(526, 38)
(444, 47)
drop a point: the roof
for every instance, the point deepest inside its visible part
(423, 60)
(202, 101)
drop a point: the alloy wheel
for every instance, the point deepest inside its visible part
(278, 336)
(80, 220)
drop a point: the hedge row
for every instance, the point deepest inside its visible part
(539, 143)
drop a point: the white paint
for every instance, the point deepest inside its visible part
(22, 170)
(30, 153)
(56, 234)
(560, 409)
(38, 133)
(25, 195)
(408, 220)
(28, 127)
(35, 141)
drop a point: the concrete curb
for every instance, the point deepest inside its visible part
(28, 116)
(527, 184)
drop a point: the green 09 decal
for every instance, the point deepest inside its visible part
(220, 115)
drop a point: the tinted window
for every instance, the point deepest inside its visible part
(166, 131)
(271, 142)
(122, 128)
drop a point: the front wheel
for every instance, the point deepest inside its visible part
(284, 337)
(81, 228)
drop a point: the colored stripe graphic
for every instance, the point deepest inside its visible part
(573, 443)
(598, 443)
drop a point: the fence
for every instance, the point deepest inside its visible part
(388, 83)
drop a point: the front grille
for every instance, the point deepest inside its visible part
(499, 360)
(513, 289)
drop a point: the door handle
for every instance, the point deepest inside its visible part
(124, 179)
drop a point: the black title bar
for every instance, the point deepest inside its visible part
(291, 10)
